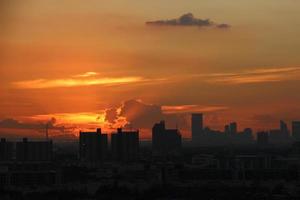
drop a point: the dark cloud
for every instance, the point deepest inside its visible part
(111, 115)
(224, 26)
(15, 124)
(142, 115)
(11, 128)
(187, 20)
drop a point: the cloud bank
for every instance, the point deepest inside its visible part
(15, 124)
(139, 114)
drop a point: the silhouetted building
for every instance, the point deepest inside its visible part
(279, 136)
(276, 136)
(197, 125)
(244, 137)
(262, 139)
(296, 148)
(296, 130)
(212, 138)
(227, 130)
(92, 146)
(165, 141)
(233, 128)
(125, 145)
(284, 129)
(248, 132)
(6, 150)
(39, 151)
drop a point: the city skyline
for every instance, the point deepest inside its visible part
(188, 125)
(79, 66)
(283, 132)
(165, 99)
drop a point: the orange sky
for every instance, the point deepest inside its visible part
(79, 62)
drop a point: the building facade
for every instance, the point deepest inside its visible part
(6, 150)
(165, 141)
(38, 151)
(125, 145)
(93, 146)
(296, 130)
(197, 126)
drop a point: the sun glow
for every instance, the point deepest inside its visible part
(81, 121)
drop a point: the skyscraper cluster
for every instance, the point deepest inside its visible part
(231, 135)
(94, 148)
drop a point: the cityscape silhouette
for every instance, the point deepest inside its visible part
(120, 165)
(149, 100)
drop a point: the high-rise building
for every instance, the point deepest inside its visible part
(244, 137)
(281, 135)
(40, 151)
(92, 146)
(248, 132)
(157, 136)
(284, 128)
(262, 138)
(165, 141)
(227, 130)
(6, 150)
(125, 145)
(197, 125)
(296, 130)
(233, 128)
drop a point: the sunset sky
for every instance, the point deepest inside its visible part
(77, 64)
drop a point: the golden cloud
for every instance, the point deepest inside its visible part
(254, 76)
(191, 108)
(75, 82)
(87, 74)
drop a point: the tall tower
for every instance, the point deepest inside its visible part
(296, 130)
(284, 128)
(233, 128)
(197, 125)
